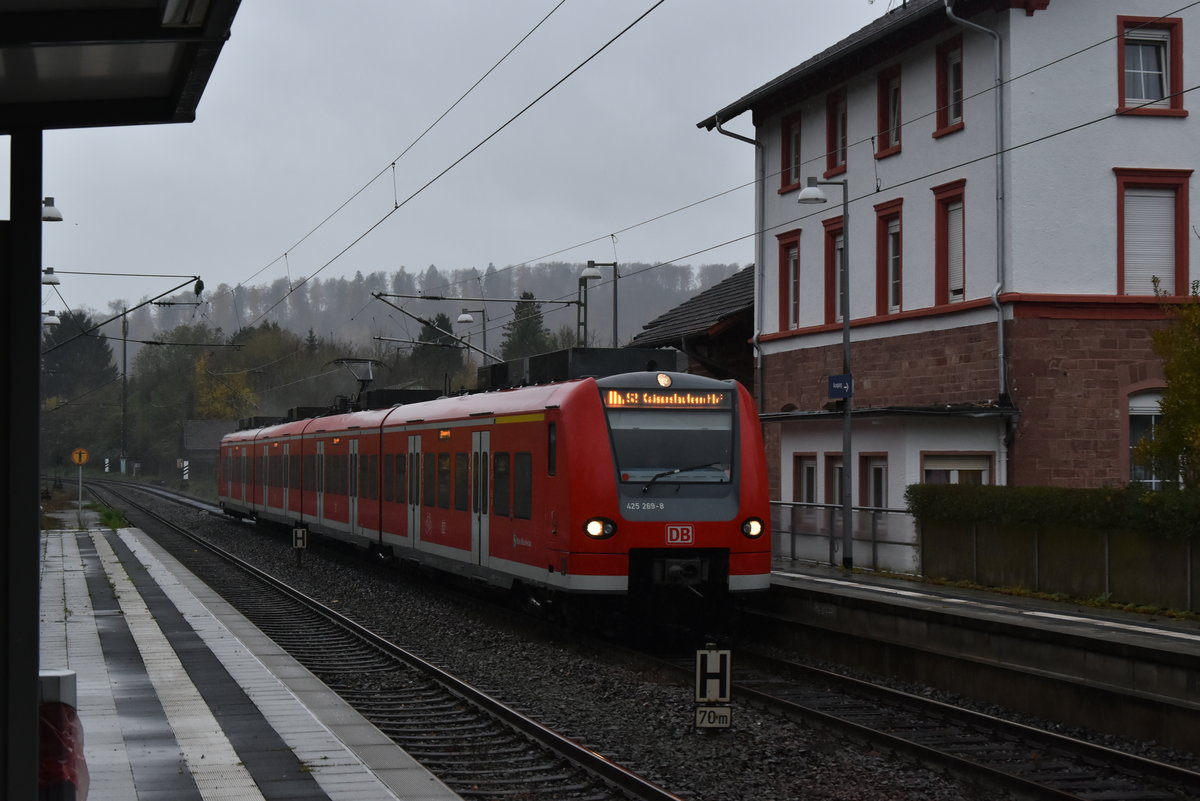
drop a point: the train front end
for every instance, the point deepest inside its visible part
(692, 505)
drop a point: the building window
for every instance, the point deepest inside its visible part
(951, 259)
(1152, 231)
(833, 478)
(1145, 413)
(889, 258)
(888, 105)
(835, 265)
(804, 478)
(789, 280)
(790, 164)
(874, 482)
(973, 470)
(949, 87)
(836, 134)
(1150, 66)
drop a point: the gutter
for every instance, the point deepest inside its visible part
(760, 184)
(1001, 212)
(1001, 230)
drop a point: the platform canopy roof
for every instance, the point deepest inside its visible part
(95, 63)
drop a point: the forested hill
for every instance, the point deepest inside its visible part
(345, 309)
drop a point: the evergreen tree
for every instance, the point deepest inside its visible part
(526, 334)
(442, 357)
(77, 359)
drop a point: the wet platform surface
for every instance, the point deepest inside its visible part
(181, 698)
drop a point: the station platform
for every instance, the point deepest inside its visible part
(180, 697)
(1107, 669)
(1156, 631)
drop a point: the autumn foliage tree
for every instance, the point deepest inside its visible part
(1174, 448)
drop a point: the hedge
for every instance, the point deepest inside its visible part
(1170, 513)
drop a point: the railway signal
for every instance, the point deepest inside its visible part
(714, 683)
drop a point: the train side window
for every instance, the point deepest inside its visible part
(462, 474)
(552, 449)
(523, 485)
(500, 484)
(428, 497)
(372, 476)
(293, 471)
(443, 480)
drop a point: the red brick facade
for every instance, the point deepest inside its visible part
(1069, 380)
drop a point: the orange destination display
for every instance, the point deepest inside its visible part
(666, 399)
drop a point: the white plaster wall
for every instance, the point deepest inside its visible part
(1062, 189)
(923, 163)
(903, 439)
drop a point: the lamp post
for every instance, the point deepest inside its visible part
(466, 319)
(812, 193)
(590, 273)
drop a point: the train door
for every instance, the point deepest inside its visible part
(352, 497)
(320, 486)
(243, 474)
(262, 479)
(287, 475)
(414, 489)
(480, 457)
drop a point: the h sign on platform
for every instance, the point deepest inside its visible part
(714, 676)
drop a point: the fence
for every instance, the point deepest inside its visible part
(884, 539)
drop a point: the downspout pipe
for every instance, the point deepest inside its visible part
(759, 266)
(1001, 213)
(1001, 229)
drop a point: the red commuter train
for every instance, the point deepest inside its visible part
(627, 485)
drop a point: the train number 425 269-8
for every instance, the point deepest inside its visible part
(636, 506)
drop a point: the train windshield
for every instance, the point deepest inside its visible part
(672, 446)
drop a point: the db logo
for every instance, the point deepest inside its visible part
(680, 535)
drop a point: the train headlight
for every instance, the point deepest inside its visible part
(599, 528)
(752, 528)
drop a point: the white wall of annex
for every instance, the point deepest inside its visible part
(1067, 140)
(903, 440)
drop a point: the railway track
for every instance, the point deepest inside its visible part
(1028, 761)
(979, 749)
(478, 746)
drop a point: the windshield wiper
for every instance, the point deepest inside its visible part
(666, 473)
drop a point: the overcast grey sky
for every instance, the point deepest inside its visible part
(310, 100)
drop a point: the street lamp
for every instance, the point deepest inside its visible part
(49, 213)
(51, 319)
(590, 273)
(812, 193)
(49, 278)
(466, 319)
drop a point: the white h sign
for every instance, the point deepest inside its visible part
(714, 676)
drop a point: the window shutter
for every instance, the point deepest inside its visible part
(955, 257)
(1149, 240)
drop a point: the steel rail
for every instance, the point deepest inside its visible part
(604, 769)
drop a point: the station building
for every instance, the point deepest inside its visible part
(1006, 183)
